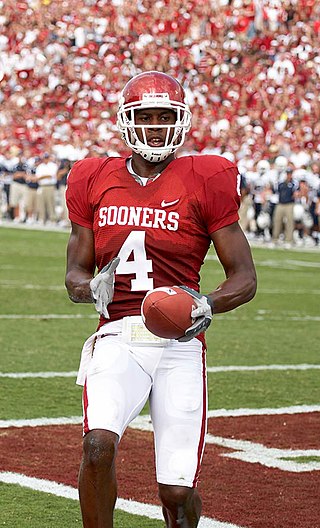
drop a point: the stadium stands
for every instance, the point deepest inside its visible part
(251, 70)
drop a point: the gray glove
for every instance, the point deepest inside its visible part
(202, 314)
(102, 287)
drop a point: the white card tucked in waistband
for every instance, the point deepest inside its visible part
(135, 332)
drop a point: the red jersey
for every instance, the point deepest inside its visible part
(160, 231)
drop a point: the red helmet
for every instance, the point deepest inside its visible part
(153, 90)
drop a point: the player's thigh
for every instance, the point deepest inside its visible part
(178, 406)
(116, 387)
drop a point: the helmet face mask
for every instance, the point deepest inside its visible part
(153, 90)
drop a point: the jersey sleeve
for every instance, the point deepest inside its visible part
(78, 193)
(220, 200)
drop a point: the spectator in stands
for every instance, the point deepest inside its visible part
(303, 199)
(17, 196)
(31, 192)
(283, 215)
(46, 177)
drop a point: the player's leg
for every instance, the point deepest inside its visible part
(97, 479)
(181, 506)
(116, 389)
(178, 404)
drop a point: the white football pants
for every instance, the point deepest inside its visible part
(119, 379)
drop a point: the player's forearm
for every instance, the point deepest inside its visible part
(78, 287)
(234, 291)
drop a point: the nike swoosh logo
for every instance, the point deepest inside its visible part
(167, 204)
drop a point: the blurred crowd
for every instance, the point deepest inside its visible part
(280, 203)
(250, 68)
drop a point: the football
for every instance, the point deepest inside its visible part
(166, 311)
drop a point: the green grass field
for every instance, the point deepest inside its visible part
(41, 331)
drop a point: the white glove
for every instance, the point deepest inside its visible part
(202, 314)
(102, 287)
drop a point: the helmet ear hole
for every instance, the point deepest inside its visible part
(153, 90)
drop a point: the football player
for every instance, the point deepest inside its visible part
(143, 222)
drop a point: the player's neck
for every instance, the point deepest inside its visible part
(140, 179)
(148, 169)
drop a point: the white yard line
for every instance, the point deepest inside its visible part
(23, 286)
(264, 411)
(227, 368)
(283, 263)
(143, 422)
(68, 492)
(22, 375)
(40, 422)
(254, 368)
(269, 317)
(279, 291)
(288, 262)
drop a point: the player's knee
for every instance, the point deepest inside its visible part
(99, 448)
(175, 496)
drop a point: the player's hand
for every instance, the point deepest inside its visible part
(102, 287)
(202, 314)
